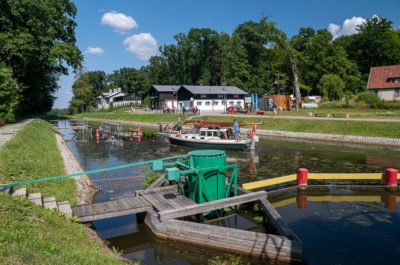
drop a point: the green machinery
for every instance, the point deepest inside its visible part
(205, 172)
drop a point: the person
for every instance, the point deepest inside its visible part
(183, 109)
(236, 129)
(179, 125)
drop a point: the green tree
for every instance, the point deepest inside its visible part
(81, 89)
(331, 87)
(37, 41)
(8, 95)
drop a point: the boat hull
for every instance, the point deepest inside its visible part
(231, 145)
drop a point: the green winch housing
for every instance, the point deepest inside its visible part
(206, 173)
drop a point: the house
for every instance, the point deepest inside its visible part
(163, 96)
(117, 98)
(385, 81)
(211, 98)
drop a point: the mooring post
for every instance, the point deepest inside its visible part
(130, 132)
(391, 177)
(139, 131)
(302, 176)
(301, 200)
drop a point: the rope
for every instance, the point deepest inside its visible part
(25, 182)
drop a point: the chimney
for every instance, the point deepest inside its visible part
(119, 89)
(110, 91)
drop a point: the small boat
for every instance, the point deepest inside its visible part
(211, 138)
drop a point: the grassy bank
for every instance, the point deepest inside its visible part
(126, 116)
(30, 234)
(33, 154)
(33, 235)
(359, 128)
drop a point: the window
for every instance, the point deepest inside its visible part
(203, 96)
(236, 96)
(397, 93)
(239, 103)
(209, 134)
(216, 103)
(198, 103)
(208, 103)
(220, 96)
(231, 103)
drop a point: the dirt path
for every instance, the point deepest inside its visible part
(9, 131)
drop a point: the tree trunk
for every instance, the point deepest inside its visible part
(293, 62)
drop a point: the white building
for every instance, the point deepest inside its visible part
(385, 81)
(117, 98)
(211, 98)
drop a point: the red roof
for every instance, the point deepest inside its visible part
(382, 77)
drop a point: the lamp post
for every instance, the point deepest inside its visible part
(224, 89)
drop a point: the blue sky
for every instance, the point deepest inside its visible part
(124, 33)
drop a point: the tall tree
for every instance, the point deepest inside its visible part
(37, 41)
(8, 94)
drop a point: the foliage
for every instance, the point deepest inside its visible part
(8, 95)
(37, 42)
(33, 154)
(150, 178)
(227, 260)
(370, 98)
(331, 87)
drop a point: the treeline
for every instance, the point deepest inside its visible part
(37, 42)
(258, 57)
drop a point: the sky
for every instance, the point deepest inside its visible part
(125, 33)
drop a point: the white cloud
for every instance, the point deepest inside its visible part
(118, 21)
(143, 45)
(349, 27)
(94, 50)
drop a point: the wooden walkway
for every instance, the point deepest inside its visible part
(159, 199)
(163, 205)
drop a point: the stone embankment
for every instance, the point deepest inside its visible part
(85, 188)
(334, 137)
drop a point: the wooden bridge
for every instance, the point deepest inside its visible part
(164, 206)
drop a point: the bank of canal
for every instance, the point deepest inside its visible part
(273, 158)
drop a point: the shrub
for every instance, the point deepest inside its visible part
(371, 99)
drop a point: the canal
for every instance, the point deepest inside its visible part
(324, 227)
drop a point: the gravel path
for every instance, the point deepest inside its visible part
(9, 131)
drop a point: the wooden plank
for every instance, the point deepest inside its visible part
(269, 182)
(346, 176)
(160, 189)
(277, 220)
(209, 206)
(288, 249)
(106, 215)
(158, 183)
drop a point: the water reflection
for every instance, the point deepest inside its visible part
(273, 158)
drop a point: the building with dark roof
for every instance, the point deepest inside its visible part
(163, 96)
(211, 98)
(385, 81)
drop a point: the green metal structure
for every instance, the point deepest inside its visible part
(206, 173)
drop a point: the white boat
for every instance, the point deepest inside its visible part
(212, 138)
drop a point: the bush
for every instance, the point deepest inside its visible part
(371, 99)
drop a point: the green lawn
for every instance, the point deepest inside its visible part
(354, 113)
(30, 234)
(33, 154)
(360, 128)
(126, 116)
